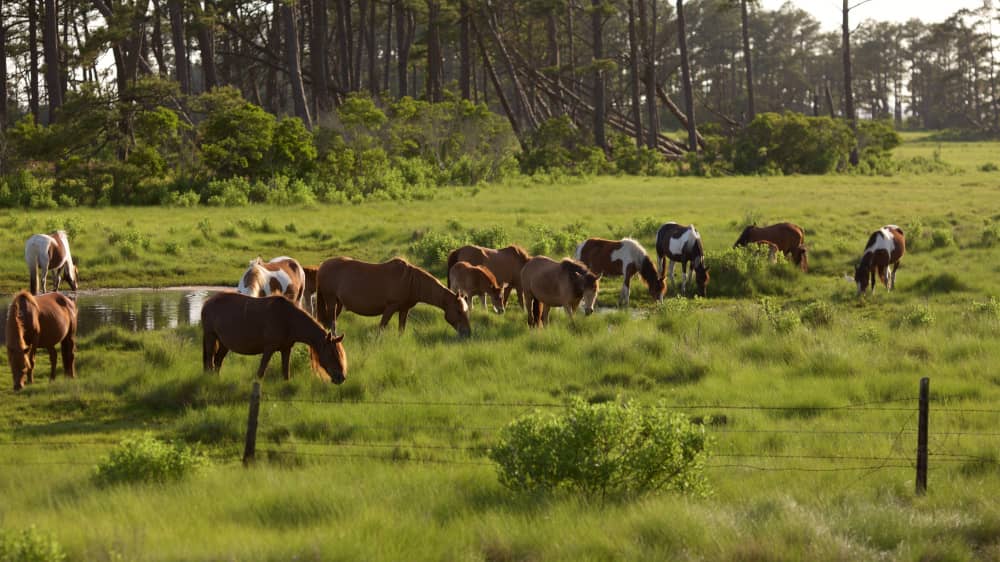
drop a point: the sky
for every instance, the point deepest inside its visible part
(828, 11)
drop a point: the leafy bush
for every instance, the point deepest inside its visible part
(146, 459)
(989, 307)
(22, 189)
(918, 315)
(989, 167)
(557, 241)
(991, 235)
(29, 545)
(494, 236)
(942, 238)
(782, 321)
(792, 143)
(817, 313)
(746, 271)
(600, 449)
(432, 249)
(558, 146)
(231, 192)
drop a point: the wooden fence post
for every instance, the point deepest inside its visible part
(925, 391)
(251, 444)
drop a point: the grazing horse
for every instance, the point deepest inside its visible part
(505, 264)
(883, 251)
(625, 258)
(469, 281)
(785, 236)
(251, 326)
(43, 252)
(371, 289)
(309, 290)
(682, 244)
(549, 283)
(280, 276)
(40, 322)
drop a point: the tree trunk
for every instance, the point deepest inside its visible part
(206, 44)
(294, 65)
(317, 58)
(692, 127)
(748, 59)
(434, 70)
(464, 51)
(3, 75)
(32, 58)
(403, 39)
(633, 50)
(157, 40)
(829, 100)
(848, 81)
(600, 138)
(571, 48)
(53, 77)
(504, 103)
(274, 45)
(359, 51)
(343, 44)
(180, 45)
(387, 61)
(372, 53)
(647, 30)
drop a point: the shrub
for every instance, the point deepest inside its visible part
(989, 167)
(991, 235)
(817, 313)
(29, 545)
(942, 238)
(918, 315)
(231, 192)
(432, 249)
(146, 459)
(792, 143)
(494, 236)
(558, 146)
(236, 135)
(989, 307)
(783, 321)
(600, 449)
(743, 272)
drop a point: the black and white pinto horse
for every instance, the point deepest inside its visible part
(682, 244)
(884, 249)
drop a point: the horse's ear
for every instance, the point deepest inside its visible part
(336, 339)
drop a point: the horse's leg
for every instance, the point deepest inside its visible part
(892, 277)
(506, 294)
(626, 290)
(286, 355)
(53, 362)
(403, 312)
(208, 349)
(661, 261)
(387, 315)
(264, 359)
(672, 284)
(31, 364)
(220, 354)
(68, 349)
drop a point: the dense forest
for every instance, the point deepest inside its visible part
(151, 101)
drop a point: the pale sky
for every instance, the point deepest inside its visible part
(828, 11)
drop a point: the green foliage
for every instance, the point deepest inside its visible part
(557, 241)
(24, 189)
(432, 249)
(988, 307)
(29, 545)
(558, 146)
(991, 235)
(601, 449)
(942, 238)
(792, 143)
(147, 459)
(989, 167)
(918, 315)
(781, 320)
(817, 313)
(236, 135)
(745, 272)
(493, 236)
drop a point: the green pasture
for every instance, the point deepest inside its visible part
(392, 464)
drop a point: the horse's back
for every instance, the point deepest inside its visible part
(57, 318)
(362, 287)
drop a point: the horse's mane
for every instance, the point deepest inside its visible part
(744, 237)
(519, 251)
(873, 238)
(573, 266)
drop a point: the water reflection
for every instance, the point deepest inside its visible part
(132, 309)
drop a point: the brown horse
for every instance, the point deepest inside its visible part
(371, 289)
(505, 264)
(883, 251)
(624, 257)
(44, 252)
(251, 326)
(469, 281)
(788, 237)
(682, 244)
(280, 276)
(40, 322)
(549, 283)
(309, 291)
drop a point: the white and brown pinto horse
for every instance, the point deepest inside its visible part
(785, 237)
(883, 251)
(372, 289)
(43, 252)
(547, 283)
(624, 258)
(280, 276)
(682, 244)
(505, 264)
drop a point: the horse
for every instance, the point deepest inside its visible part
(43, 252)
(469, 281)
(682, 244)
(883, 251)
(40, 322)
(309, 289)
(251, 326)
(624, 257)
(505, 264)
(371, 289)
(549, 283)
(280, 276)
(787, 237)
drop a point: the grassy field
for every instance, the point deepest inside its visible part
(391, 465)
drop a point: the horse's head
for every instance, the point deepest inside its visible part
(456, 313)
(496, 297)
(657, 287)
(701, 277)
(744, 238)
(588, 284)
(20, 364)
(801, 256)
(71, 275)
(861, 274)
(331, 358)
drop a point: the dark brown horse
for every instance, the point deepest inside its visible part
(549, 283)
(624, 258)
(883, 251)
(470, 281)
(682, 244)
(372, 289)
(252, 326)
(40, 322)
(505, 264)
(44, 252)
(787, 237)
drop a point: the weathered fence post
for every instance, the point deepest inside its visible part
(251, 443)
(925, 384)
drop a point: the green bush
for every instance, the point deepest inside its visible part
(558, 146)
(29, 545)
(782, 321)
(432, 249)
(991, 235)
(792, 143)
(918, 315)
(146, 459)
(745, 272)
(230, 192)
(817, 313)
(942, 238)
(23, 189)
(494, 236)
(601, 449)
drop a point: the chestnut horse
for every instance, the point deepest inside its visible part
(371, 289)
(309, 290)
(280, 276)
(549, 283)
(251, 326)
(682, 244)
(883, 251)
(470, 281)
(625, 258)
(43, 252)
(40, 322)
(505, 264)
(787, 237)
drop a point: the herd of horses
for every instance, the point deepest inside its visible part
(279, 303)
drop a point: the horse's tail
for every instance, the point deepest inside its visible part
(322, 314)
(22, 316)
(452, 260)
